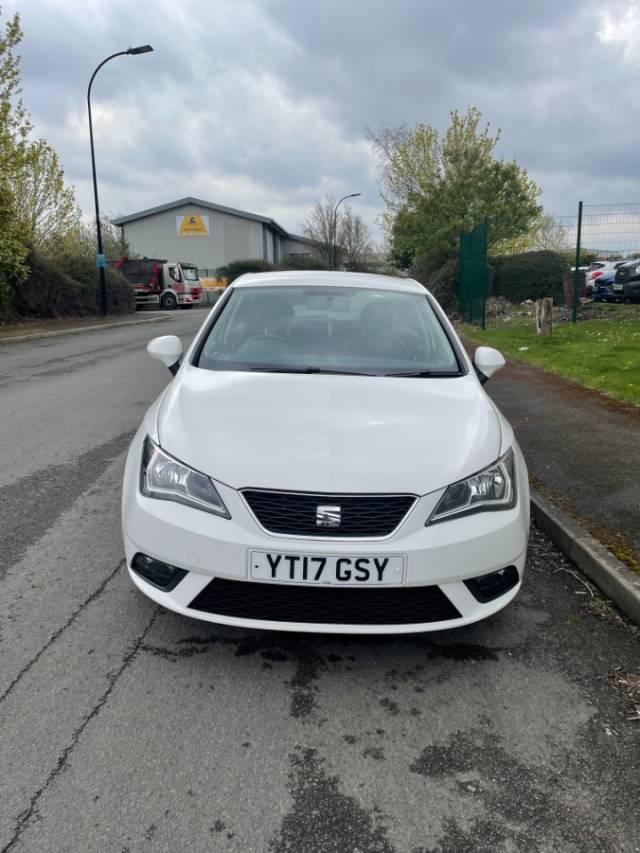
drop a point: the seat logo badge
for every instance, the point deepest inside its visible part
(328, 516)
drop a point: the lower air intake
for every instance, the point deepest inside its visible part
(325, 605)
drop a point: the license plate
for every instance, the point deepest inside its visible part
(618, 287)
(330, 570)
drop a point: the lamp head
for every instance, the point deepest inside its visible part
(143, 48)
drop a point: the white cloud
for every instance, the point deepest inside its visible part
(263, 104)
(620, 28)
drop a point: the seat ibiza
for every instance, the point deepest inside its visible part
(326, 459)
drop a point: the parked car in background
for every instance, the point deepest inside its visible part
(595, 273)
(602, 287)
(626, 286)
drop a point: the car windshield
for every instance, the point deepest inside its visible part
(303, 329)
(190, 273)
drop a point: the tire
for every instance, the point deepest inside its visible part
(169, 302)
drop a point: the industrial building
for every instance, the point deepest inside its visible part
(207, 235)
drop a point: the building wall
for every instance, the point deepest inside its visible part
(291, 246)
(230, 238)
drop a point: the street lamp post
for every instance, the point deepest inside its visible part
(335, 225)
(132, 51)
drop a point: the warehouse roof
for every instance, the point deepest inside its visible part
(221, 208)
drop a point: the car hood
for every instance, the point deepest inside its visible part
(327, 433)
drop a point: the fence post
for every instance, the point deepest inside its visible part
(576, 273)
(484, 277)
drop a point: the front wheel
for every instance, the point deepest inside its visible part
(169, 301)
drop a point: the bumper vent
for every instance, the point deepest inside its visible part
(325, 605)
(161, 575)
(294, 513)
(487, 587)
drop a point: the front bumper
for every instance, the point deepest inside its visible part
(208, 547)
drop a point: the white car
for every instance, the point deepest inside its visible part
(326, 459)
(598, 269)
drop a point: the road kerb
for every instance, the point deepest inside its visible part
(15, 339)
(615, 579)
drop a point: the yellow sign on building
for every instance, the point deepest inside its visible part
(192, 225)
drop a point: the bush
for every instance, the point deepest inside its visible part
(82, 268)
(443, 284)
(530, 275)
(441, 280)
(120, 295)
(301, 262)
(50, 291)
(237, 268)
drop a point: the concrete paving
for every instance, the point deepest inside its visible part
(129, 729)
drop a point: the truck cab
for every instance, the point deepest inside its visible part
(156, 281)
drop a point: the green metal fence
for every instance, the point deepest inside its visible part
(472, 282)
(596, 232)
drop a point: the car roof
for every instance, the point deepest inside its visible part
(330, 279)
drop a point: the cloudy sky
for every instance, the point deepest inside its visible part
(264, 104)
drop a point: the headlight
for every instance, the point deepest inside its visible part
(493, 488)
(165, 478)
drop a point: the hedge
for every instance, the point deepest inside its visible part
(442, 281)
(301, 262)
(51, 291)
(292, 262)
(237, 268)
(530, 275)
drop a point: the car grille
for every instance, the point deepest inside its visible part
(325, 605)
(294, 513)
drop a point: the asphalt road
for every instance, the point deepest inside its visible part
(125, 728)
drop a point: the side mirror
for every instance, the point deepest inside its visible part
(487, 361)
(168, 350)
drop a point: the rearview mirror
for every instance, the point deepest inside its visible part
(168, 350)
(487, 361)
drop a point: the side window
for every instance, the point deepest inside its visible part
(174, 272)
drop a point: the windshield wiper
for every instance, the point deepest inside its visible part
(434, 374)
(310, 370)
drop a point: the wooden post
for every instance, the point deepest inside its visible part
(544, 316)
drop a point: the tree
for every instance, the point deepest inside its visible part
(438, 187)
(348, 231)
(354, 241)
(43, 205)
(80, 240)
(319, 228)
(14, 121)
(546, 234)
(14, 127)
(46, 208)
(13, 251)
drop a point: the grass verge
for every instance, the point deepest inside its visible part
(599, 354)
(620, 545)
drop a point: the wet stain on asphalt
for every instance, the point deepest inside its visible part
(269, 647)
(322, 818)
(275, 649)
(375, 752)
(532, 803)
(483, 836)
(390, 706)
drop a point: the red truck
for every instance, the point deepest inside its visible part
(156, 281)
